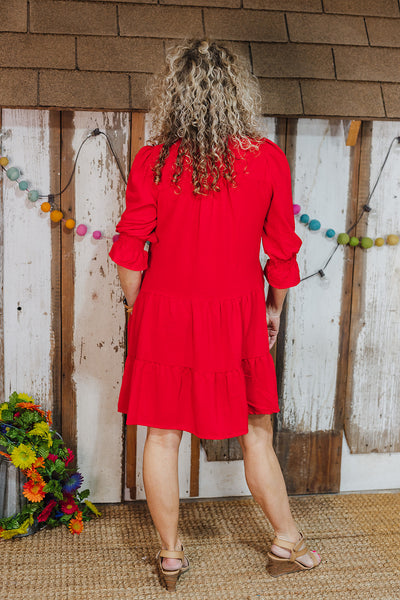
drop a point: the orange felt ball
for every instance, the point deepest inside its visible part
(45, 206)
(56, 216)
(69, 223)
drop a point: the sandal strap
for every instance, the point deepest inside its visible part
(172, 554)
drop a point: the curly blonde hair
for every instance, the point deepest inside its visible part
(205, 96)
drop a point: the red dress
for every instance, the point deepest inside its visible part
(198, 357)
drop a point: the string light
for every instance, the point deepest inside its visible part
(49, 205)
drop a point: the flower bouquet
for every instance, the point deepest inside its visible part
(51, 489)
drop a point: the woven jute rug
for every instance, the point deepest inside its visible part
(357, 535)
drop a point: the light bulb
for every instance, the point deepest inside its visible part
(323, 279)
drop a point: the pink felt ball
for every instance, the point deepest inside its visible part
(296, 209)
(115, 237)
(81, 230)
(96, 235)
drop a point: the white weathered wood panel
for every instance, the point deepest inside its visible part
(374, 423)
(99, 320)
(320, 179)
(27, 258)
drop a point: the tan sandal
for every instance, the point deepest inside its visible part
(168, 576)
(280, 566)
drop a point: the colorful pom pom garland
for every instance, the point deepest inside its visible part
(29, 443)
(344, 239)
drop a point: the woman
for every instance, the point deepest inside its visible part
(205, 193)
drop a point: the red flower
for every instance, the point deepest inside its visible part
(68, 505)
(44, 515)
(52, 457)
(17, 414)
(70, 456)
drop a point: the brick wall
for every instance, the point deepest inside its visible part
(312, 57)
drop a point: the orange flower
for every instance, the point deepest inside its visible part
(34, 476)
(33, 491)
(49, 417)
(5, 454)
(75, 526)
(31, 406)
(79, 515)
(39, 462)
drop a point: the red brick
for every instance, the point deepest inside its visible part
(292, 60)
(367, 64)
(160, 21)
(326, 29)
(13, 15)
(391, 96)
(18, 87)
(280, 97)
(50, 16)
(31, 50)
(383, 8)
(383, 32)
(297, 5)
(79, 89)
(119, 54)
(257, 25)
(342, 98)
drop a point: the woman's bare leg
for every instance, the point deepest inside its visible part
(161, 484)
(266, 483)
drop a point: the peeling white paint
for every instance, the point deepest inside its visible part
(320, 180)
(99, 327)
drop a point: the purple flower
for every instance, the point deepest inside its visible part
(73, 483)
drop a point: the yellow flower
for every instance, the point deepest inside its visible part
(93, 508)
(23, 456)
(6, 534)
(3, 406)
(42, 430)
(25, 397)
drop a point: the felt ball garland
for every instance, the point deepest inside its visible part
(48, 205)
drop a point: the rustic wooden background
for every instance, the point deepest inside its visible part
(63, 329)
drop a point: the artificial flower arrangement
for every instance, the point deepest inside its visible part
(51, 487)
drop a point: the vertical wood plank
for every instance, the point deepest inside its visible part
(56, 233)
(194, 465)
(27, 258)
(67, 206)
(1, 271)
(308, 343)
(136, 142)
(372, 420)
(99, 316)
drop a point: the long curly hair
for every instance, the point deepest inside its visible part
(204, 97)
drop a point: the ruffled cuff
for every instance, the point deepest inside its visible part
(282, 274)
(128, 251)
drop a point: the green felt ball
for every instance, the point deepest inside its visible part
(13, 173)
(33, 195)
(343, 238)
(354, 241)
(23, 185)
(366, 242)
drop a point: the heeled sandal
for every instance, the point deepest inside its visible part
(280, 566)
(170, 577)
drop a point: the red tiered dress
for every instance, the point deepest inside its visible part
(198, 356)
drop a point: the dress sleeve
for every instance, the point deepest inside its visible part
(138, 221)
(279, 239)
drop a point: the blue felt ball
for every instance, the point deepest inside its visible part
(304, 218)
(33, 195)
(13, 173)
(330, 233)
(23, 185)
(314, 225)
